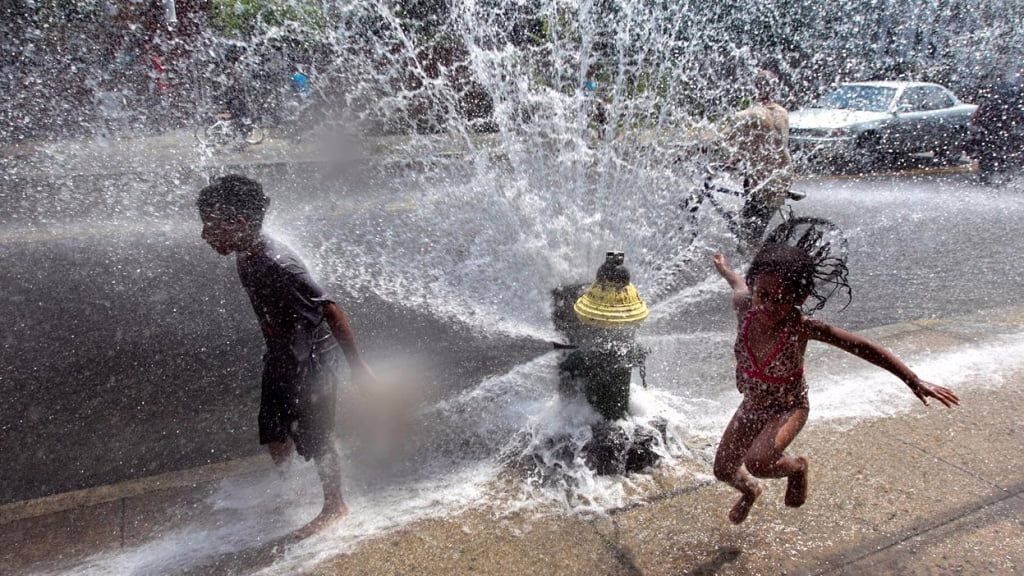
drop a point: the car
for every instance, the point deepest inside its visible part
(871, 123)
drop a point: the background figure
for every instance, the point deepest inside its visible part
(300, 84)
(999, 126)
(238, 107)
(235, 100)
(759, 145)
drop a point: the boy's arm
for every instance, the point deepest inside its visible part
(740, 292)
(346, 338)
(874, 353)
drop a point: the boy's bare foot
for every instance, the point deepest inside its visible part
(741, 508)
(329, 516)
(796, 486)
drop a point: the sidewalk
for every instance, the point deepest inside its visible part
(167, 152)
(932, 491)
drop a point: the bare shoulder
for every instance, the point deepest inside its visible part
(741, 302)
(814, 328)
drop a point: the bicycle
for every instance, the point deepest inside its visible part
(747, 234)
(225, 131)
(683, 241)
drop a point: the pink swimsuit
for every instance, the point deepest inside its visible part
(776, 382)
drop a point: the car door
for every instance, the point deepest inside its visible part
(909, 123)
(944, 122)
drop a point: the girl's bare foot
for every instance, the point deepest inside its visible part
(741, 508)
(330, 515)
(796, 485)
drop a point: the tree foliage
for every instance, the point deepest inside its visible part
(243, 18)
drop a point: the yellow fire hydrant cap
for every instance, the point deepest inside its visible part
(606, 306)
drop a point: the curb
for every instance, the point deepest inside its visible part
(86, 497)
(909, 172)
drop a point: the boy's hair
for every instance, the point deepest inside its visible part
(232, 196)
(809, 256)
(766, 85)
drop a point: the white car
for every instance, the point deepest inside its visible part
(868, 123)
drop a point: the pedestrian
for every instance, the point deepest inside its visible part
(303, 328)
(759, 148)
(236, 99)
(998, 125)
(773, 331)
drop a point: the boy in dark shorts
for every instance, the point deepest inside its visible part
(303, 329)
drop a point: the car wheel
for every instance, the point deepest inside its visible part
(870, 153)
(988, 163)
(957, 144)
(950, 156)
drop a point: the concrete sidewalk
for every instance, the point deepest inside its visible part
(168, 151)
(933, 491)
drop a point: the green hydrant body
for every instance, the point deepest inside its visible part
(602, 322)
(603, 375)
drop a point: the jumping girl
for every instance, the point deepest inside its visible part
(773, 331)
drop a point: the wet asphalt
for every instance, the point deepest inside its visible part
(129, 349)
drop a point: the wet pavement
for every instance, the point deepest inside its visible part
(169, 151)
(926, 492)
(130, 347)
(172, 384)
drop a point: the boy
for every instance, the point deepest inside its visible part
(760, 139)
(303, 329)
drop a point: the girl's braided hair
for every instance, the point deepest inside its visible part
(809, 256)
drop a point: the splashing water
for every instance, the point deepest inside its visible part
(547, 132)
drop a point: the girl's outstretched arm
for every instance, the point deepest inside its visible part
(740, 292)
(872, 352)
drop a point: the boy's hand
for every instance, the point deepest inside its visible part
(924, 390)
(362, 373)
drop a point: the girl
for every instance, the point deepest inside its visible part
(772, 336)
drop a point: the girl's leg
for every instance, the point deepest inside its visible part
(736, 441)
(767, 458)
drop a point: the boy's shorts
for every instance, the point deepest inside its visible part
(299, 403)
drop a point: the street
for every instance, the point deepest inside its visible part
(130, 348)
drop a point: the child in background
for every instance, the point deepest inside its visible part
(772, 336)
(303, 329)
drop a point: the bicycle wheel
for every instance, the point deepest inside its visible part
(671, 261)
(200, 134)
(219, 134)
(256, 135)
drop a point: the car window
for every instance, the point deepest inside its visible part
(914, 99)
(936, 99)
(865, 98)
(924, 98)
